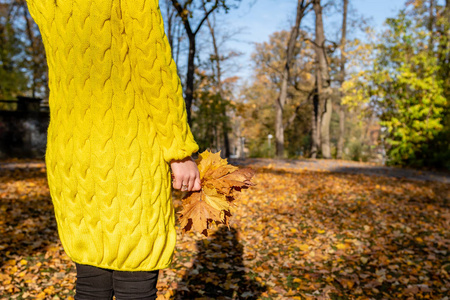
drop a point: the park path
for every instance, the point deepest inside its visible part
(338, 166)
(342, 166)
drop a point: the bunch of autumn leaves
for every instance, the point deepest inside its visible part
(220, 182)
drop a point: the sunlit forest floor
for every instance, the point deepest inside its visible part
(300, 233)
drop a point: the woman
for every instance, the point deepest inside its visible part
(117, 125)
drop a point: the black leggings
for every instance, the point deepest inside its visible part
(101, 284)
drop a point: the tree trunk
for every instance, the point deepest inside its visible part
(281, 101)
(431, 22)
(32, 39)
(189, 92)
(279, 128)
(224, 118)
(444, 59)
(169, 18)
(179, 38)
(340, 145)
(323, 83)
(325, 126)
(446, 25)
(447, 7)
(315, 123)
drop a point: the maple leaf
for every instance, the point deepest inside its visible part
(212, 203)
(197, 214)
(236, 180)
(210, 163)
(215, 199)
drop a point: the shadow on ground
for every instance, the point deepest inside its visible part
(218, 271)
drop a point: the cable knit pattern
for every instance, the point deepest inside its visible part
(117, 117)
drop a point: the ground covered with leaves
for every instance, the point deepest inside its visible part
(298, 234)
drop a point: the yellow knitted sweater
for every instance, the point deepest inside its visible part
(117, 117)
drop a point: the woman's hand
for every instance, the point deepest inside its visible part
(185, 175)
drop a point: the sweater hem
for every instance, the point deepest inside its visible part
(122, 269)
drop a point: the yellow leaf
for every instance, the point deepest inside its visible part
(5, 279)
(290, 293)
(341, 246)
(168, 294)
(53, 249)
(304, 247)
(11, 262)
(209, 161)
(349, 283)
(216, 200)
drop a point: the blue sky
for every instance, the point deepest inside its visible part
(264, 17)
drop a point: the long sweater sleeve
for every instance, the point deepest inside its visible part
(155, 76)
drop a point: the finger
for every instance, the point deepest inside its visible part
(185, 184)
(197, 185)
(176, 183)
(191, 183)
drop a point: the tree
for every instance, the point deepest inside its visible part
(35, 52)
(220, 91)
(404, 90)
(340, 144)
(210, 122)
(433, 16)
(23, 66)
(280, 102)
(186, 13)
(322, 99)
(12, 79)
(258, 97)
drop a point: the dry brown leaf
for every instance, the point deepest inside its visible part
(235, 180)
(197, 214)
